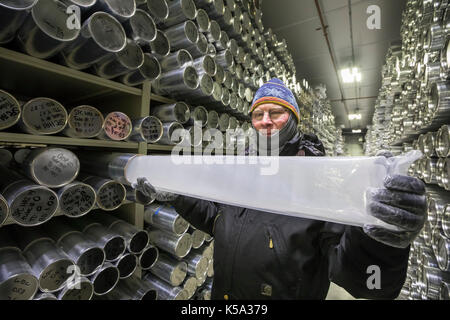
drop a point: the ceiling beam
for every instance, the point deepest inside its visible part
(325, 34)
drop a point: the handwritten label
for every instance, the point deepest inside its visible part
(151, 129)
(56, 167)
(87, 122)
(9, 111)
(20, 288)
(34, 206)
(117, 126)
(111, 196)
(45, 116)
(77, 200)
(55, 276)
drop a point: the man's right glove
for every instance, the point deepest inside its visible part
(145, 187)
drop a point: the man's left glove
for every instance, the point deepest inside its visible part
(402, 203)
(146, 188)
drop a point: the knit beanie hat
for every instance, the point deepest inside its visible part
(276, 92)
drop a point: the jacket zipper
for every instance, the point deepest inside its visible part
(235, 252)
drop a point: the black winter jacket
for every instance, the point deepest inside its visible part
(259, 255)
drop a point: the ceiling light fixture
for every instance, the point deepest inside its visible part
(356, 116)
(351, 75)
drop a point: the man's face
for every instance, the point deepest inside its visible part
(269, 118)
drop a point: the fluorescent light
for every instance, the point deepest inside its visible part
(350, 76)
(355, 116)
(356, 131)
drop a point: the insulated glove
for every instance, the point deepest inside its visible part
(401, 203)
(145, 187)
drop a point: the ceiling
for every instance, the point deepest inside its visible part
(298, 22)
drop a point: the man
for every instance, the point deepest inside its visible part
(259, 255)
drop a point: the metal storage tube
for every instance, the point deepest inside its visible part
(110, 194)
(12, 16)
(84, 122)
(165, 291)
(175, 60)
(179, 11)
(36, 114)
(149, 71)
(121, 10)
(101, 34)
(197, 265)
(45, 32)
(148, 257)
(137, 289)
(79, 289)
(157, 8)
(117, 127)
(10, 111)
(179, 246)
(178, 112)
(170, 270)
(148, 129)
(76, 199)
(141, 27)
(136, 196)
(127, 265)
(182, 35)
(105, 279)
(165, 218)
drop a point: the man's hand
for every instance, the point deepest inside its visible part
(145, 187)
(402, 203)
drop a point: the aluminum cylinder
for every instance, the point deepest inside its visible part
(194, 134)
(175, 60)
(202, 93)
(43, 116)
(10, 111)
(439, 97)
(200, 48)
(87, 255)
(178, 112)
(51, 167)
(214, 8)
(160, 46)
(170, 270)
(205, 64)
(429, 174)
(443, 256)
(84, 122)
(173, 134)
(443, 141)
(213, 120)
(17, 281)
(110, 194)
(136, 196)
(127, 265)
(158, 9)
(210, 271)
(76, 199)
(179, 246)
(179, 11)
(197, 265)
(12, 16)
(199, 116)
(213, 138)
(140, 27)
(222, 43)
(445, 291)
(202, 20)
(148, 257)
(117, 127)
(182, 35)
(4, 210)
(121, 10)
(213, 35)
(113, 244)
(81, 289)
(165, 291)
(105, 279)
(148, 71)
(50, 265)
(29, 204)
(198, 238)
(224, 122)
(182, 80)
(125, 61)
(101, 35)
(190, 286)
(112, 165)
(46, 30)
(445, 59)
(165, 218)
(137, 289)
(148, 129)
(137, 240)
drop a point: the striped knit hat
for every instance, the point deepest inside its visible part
(276, 92)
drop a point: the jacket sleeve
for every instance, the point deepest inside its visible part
(350, 254)
(199, 213)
